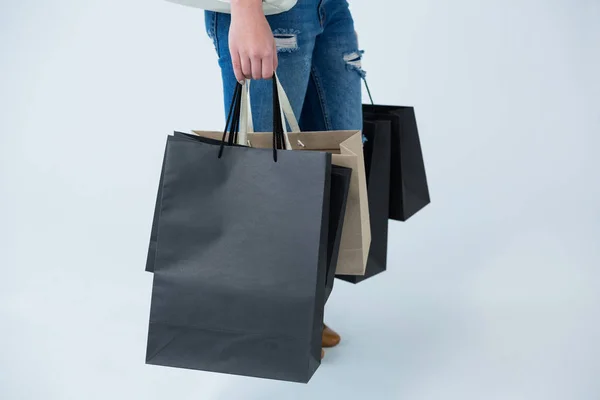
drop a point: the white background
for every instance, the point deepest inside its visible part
(492, 291)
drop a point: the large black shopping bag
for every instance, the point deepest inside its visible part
(377, 165)
(151, 257)
(241, 259)
(409, 191)
(340, 187)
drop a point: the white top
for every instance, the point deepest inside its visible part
(270, 7)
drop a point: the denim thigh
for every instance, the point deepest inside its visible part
(333, 100)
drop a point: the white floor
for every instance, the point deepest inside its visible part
(491, 293)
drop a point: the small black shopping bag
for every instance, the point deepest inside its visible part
(340, 187)
(409, 191)
(377, 165)
(240, 259)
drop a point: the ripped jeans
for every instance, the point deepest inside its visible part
(319, 66)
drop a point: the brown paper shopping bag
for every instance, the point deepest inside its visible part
(347, 151)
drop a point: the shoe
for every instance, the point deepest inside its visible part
(322, 354)
(330, 338)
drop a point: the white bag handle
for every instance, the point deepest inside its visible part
(246, 123)
(287, 113)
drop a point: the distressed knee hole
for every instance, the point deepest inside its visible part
(353, 61)
(286, 40)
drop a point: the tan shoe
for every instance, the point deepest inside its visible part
(330, 338)
(322, 354)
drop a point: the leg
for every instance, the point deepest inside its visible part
(334, 100)
(295, 33)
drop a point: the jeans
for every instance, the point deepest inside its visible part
(319, 66)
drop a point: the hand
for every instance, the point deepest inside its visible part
(251, 42)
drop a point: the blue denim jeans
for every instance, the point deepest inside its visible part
(319, 66)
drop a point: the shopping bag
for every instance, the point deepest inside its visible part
(377, 165)
(241, 257)
(340, 187)
(409, 190)
(347, 151)
(151, 255)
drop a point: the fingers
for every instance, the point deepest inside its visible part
(246, 66)
(257, 63)
(264, 64)
(267, 70)
(259, 66)
(237, 67)
(268, 67)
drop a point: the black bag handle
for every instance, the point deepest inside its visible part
(232, 124)
(231, 118)
(364, 79)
